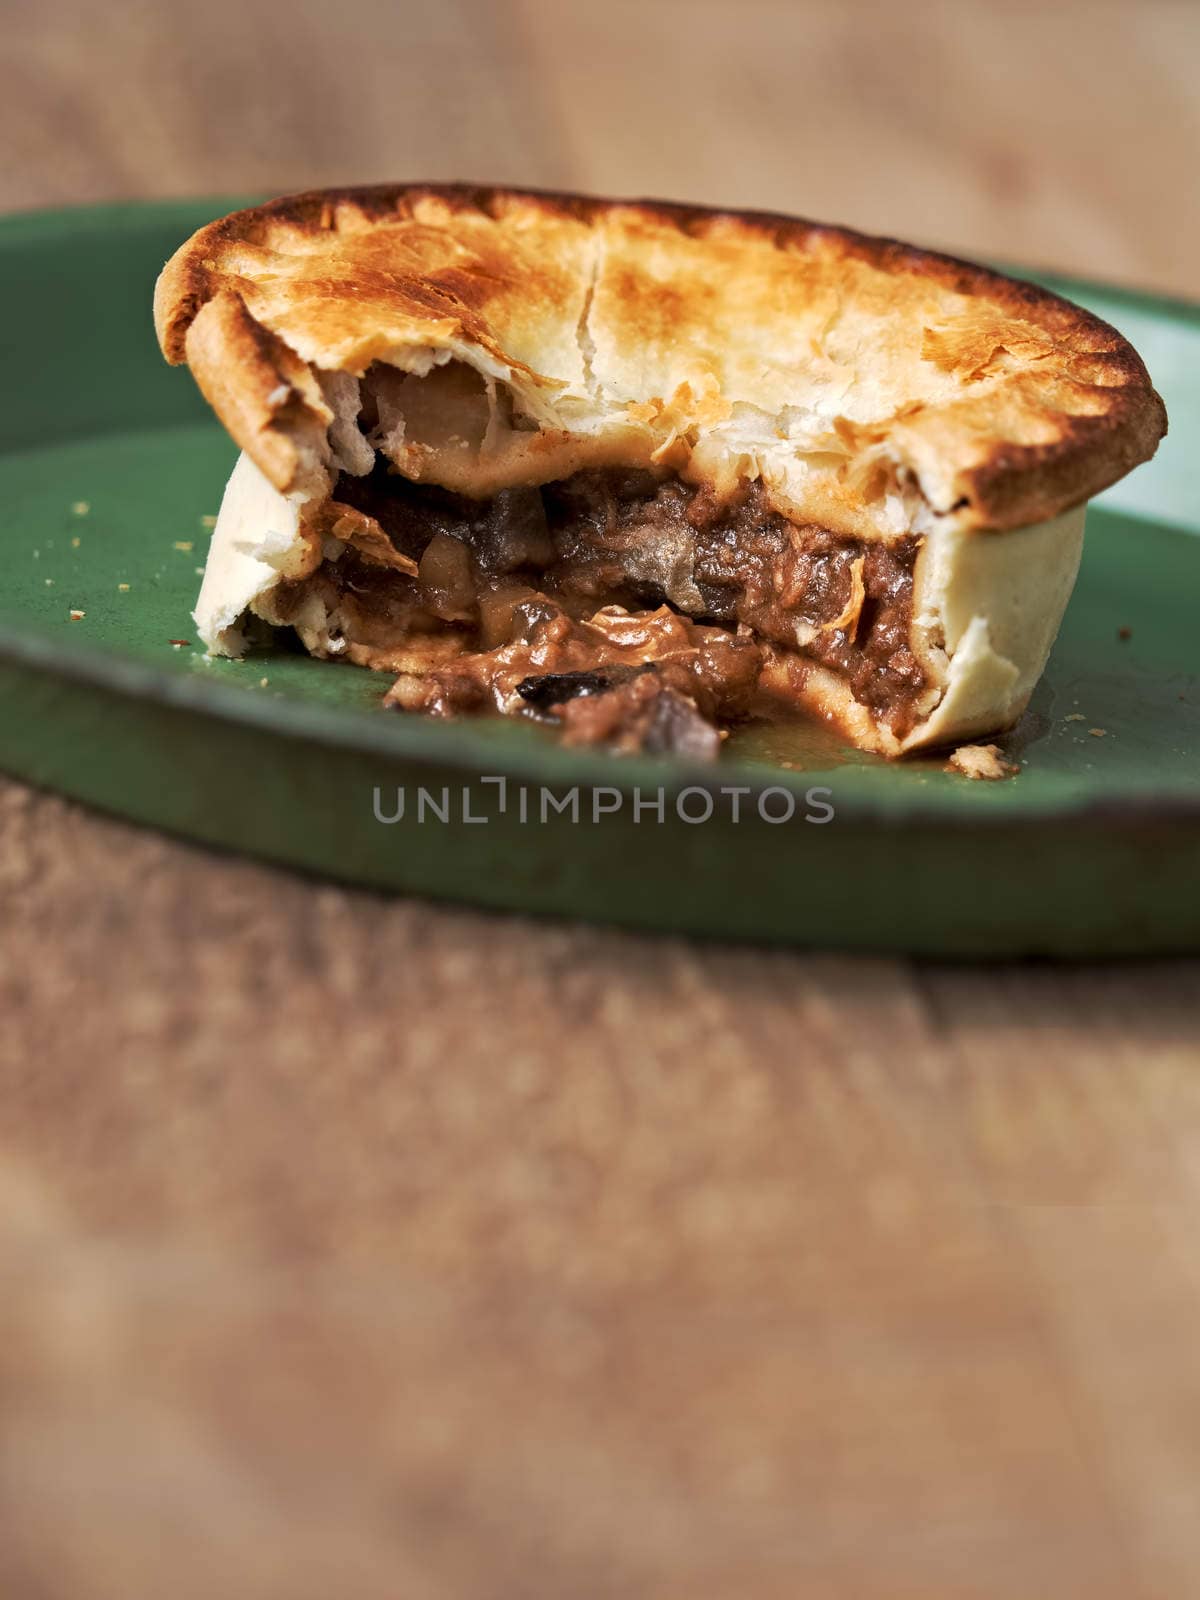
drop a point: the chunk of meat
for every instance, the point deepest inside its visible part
(643, 713)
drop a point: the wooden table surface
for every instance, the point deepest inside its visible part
(353, 1247)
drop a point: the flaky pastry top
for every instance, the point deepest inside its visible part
(868, 383)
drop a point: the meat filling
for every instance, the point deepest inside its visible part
(626, 606)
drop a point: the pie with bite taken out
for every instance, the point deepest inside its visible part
(644, 471)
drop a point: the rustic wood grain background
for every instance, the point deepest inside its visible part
(361, 1248)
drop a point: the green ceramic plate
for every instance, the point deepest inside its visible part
(109, 464)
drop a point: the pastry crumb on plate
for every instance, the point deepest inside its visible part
(981, 761)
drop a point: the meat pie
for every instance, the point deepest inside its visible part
(645, 471)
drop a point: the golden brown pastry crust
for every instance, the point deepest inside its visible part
(793, 342)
